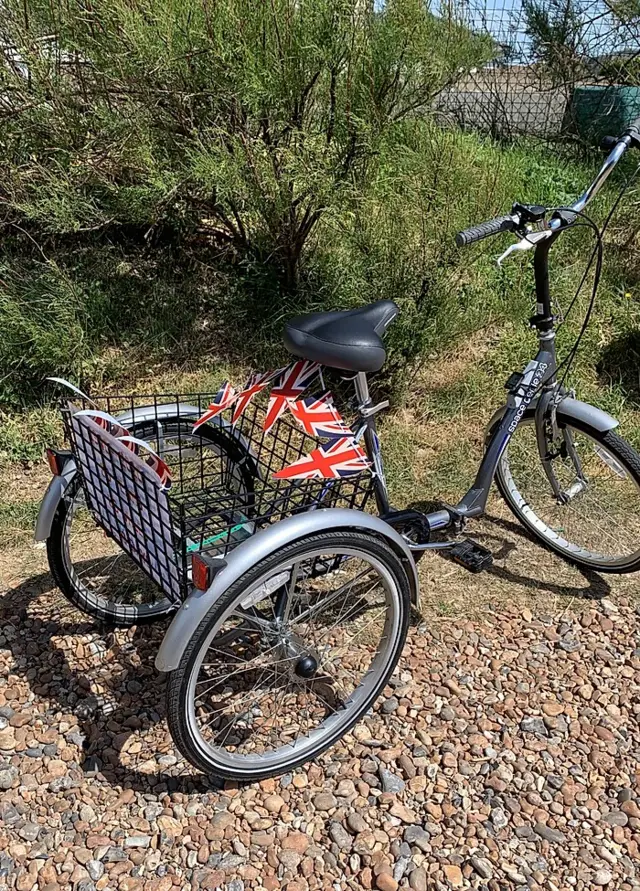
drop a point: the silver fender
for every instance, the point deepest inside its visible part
(568, 410)
(136, 415)
(585, 414)
(52, 497)
(140, 413)
(261, 545)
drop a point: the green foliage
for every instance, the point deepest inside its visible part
(558, 31)
(623, 69)
(42, 324)
(177, 177)
(23, 437)
(250, 115)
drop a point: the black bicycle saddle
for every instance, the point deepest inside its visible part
(347, 339)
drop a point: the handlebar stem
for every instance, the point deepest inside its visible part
(543, 319)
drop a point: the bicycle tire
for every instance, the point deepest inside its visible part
(622, 453)
(180, 714)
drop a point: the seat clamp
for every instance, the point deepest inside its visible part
(368, 410)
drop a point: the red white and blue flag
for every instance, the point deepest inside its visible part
(293, 382)
(154, 461)
(224, 398)
(255, 385)
(159, 466)
(333, 460)
(318, 416)
(110, 425)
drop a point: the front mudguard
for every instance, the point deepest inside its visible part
(263, 544)
(137, 415)
(569, 411)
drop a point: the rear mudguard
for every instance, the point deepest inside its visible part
(137, 415)
(568, 411)
(51, 500)
(263, 544)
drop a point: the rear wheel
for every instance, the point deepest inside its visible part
(92, 570)
(596, 521)
(290, 657)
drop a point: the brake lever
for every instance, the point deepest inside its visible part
(526, 244)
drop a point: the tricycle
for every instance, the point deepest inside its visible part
(259, 519)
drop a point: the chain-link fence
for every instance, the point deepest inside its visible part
(558, 68)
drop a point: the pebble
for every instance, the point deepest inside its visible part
(325, 801)
(8, 776)
(340, 836)
(502, 755)
(356, 823)
(418, 879)
(391, 782)
(499, 818)
(95, 869)
(453, 874)
(482, 866)
(416, 835)
(616, 818)
(551, 835)
(385, 882)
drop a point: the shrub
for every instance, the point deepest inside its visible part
(244, 116)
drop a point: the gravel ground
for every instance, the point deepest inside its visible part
(505, 754)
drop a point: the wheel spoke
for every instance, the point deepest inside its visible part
(252, 700)
(599, 525)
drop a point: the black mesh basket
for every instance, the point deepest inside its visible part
(221, 488)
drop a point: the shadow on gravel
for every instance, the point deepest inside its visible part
(501, 545)
(596, 587)
(41, 629)
(133, 691)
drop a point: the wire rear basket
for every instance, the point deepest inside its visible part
(205, 490)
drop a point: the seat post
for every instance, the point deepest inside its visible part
(367, 413)
(362, 390)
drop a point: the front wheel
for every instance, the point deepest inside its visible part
(595, 522)
(290, 656)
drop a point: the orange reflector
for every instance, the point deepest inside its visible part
(52, 460)
(199, 573)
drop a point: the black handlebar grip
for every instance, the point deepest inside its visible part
(608, 143)
(484, 230)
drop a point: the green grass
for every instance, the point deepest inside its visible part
(17, 520)
(24, 436)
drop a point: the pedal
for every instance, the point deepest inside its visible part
(471, 555)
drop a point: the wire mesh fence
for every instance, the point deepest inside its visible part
(556, 69)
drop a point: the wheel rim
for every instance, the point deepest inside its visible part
(248, 708)
(600, 525)
(98, 567)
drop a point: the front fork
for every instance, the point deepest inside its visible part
(550, 437)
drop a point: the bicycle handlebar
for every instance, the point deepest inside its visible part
(505, 223)
(631, 137)
(635, 125)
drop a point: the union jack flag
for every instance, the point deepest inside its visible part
(154, 461)
(225, 397)
(318, 416)
(294, 380)
(112, 426)
(255, 385)
(342, 457)
(157, 464)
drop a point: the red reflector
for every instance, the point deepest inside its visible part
(199, 573)
(52, 461)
